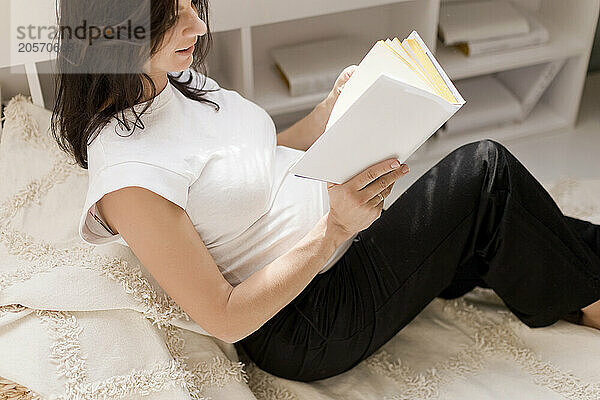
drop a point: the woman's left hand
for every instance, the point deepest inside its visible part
(323, 110)
(303, 133)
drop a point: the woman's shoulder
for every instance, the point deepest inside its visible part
(115, 145)
(159, 135)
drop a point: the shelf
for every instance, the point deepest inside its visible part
(234, 14)
(272, 94)
(245, 38)
(542, 119)
(458, 66)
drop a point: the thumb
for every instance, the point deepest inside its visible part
(344, 77)
(348, 71)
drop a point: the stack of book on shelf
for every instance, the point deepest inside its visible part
(488, 26)
(313, 67)
(505, 97)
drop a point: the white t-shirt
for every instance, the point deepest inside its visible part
(223, 168)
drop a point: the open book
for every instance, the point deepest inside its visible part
(394, 101)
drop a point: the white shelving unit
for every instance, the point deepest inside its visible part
(245, 31)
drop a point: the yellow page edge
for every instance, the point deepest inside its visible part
(415, 64)
(450, 86)
(422, 51)
(409, 66)
(431, 70)
(418, 64)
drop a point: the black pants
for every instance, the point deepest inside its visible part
(477, 218)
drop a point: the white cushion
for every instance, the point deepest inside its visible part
(82, 319)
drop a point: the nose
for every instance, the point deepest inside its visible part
(195, 26)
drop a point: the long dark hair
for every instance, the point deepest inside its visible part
(99, 79)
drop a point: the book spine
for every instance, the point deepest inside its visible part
(540, 86)
(483, 47)
(311, 85)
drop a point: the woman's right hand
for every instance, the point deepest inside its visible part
(355, 204)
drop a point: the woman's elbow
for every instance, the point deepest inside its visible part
(229, 321)
(227, 329)
(231, 336)
(231, 339)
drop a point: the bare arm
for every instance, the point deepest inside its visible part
(164, 239)
(303, 133)
(271, 288)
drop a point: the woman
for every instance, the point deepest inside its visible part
(308, 278)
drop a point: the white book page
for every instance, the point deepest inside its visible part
(438, 67)
(397, 46)
(410, 51)
(379, 60)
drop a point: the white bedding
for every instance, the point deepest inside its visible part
(78, 322)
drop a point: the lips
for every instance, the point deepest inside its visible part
(186, 49)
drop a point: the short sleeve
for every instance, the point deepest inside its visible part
(164, 182)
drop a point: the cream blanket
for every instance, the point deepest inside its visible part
(82, 322)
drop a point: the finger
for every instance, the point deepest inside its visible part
(382, 183)
(370, 174)
(383, 193)
(344, 77)
(348, 71)
(376, 201)
(387, 191)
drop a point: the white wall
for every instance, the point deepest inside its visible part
(35, 12)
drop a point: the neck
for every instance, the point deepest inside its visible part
(160, 81)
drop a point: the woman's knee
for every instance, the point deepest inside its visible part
(483, 147)
(483, 162)
(484, 155)
(495, 148)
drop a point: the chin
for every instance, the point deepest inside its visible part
(180, 67)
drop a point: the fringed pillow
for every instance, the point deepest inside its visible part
(86, 322)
